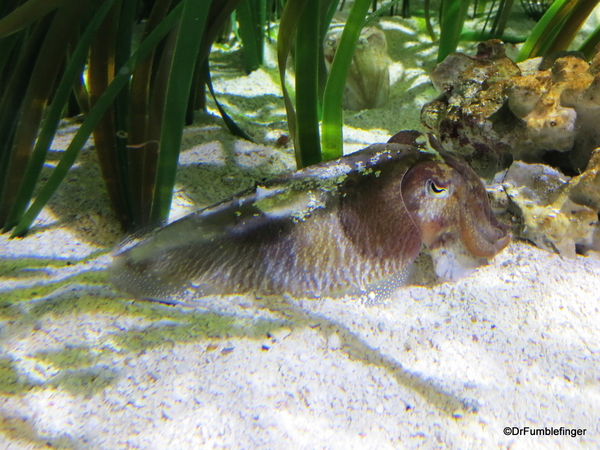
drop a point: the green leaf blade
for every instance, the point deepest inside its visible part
(333, 118)
(94, 116)
(190, 33)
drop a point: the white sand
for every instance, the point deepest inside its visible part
(449, 365)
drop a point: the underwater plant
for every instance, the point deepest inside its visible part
(136, 141)
(136, 93)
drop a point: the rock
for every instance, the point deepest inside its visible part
(493, 111)
(560, 214)
(368, 82)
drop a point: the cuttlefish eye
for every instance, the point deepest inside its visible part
(437, 190)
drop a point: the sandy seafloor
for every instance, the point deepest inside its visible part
(449, 365)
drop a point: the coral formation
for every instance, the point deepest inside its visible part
(493, 111)
(368, 82)
(553, 215)
(538, 120)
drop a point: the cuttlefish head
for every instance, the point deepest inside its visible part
(449, 205)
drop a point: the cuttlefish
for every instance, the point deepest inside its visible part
(351, 225)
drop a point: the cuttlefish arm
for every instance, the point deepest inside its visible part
(481, 233)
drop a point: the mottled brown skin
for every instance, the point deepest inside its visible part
(465, 213)
(369, 226)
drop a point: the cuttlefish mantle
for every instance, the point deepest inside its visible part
(352, 225)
